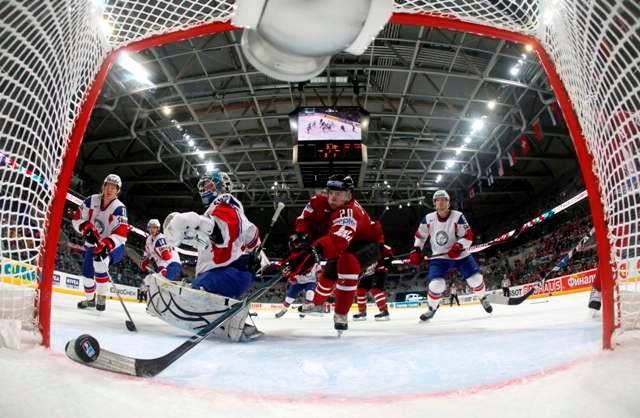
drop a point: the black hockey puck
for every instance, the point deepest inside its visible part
(87, 348)
(130, 326)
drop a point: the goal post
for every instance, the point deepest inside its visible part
(55, 56)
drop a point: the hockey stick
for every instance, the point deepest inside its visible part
(504, 300)
(86, 350)
(131, 326)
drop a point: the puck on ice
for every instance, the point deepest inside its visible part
(87, 348)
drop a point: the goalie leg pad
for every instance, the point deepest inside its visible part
(192, 309)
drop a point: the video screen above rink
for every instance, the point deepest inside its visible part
(329, 123)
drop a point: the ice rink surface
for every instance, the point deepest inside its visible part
(538, 359)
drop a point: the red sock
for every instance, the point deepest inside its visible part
(348, 273)
(324, 287)
(381, 298)
(596, 283)
(361, 297)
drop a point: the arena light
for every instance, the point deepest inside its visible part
(515, 70)
(134, 68)
(166, 110)
(191, 143)
(290, 40)
(528, 48)
(467, 139)
(439, 178)
(491, 104)
(450, 163)
(209, 166)
(477, 124)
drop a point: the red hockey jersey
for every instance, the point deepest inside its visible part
(335, 229)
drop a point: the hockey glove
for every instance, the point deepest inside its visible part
(455, 250)
(89, 233)
(101, 251)
(299, 242)
(415, 256)
(144, 266)
(301, 262)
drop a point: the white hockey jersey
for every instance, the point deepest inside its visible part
(157, 249)
(236, 235)
(110, 222)
(309, 277)
(443, 233)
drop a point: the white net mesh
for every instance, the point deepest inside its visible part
(51, 50)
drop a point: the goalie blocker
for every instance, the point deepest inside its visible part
(192, 310)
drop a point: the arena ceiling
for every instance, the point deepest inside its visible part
(203, 103)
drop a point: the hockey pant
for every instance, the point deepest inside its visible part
(192, 309)
(340, 275)
(438, 270)
(294, 289)
(226, 281)
(94, 272)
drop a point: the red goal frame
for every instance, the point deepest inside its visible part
(585, 159)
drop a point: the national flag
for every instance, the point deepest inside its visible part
(537, 130)
(500, 167)
(489, 176)
(524, 144)
(511, 154)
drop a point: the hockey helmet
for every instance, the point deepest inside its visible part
(113, 179)
(222, 184)
(153, 222)
(440, 194)
(340, 182)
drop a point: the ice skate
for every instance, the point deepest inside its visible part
(360, 316)
(340, 323)
(382, 316)
(486, 305)
(595, 300)
(87, 303)
(310, 309)
(429, 314)
(250, 333)
(101, 303)
(281, 313)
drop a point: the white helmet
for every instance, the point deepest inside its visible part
(439, 194)
(153, 222)
(113, 179)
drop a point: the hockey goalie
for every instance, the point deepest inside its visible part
(226, 241)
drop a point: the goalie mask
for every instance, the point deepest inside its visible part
(212, 185)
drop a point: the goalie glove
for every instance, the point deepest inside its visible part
(188, 228)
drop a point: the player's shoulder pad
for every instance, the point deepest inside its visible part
(120, 209)
(227, 199)
(429, 218)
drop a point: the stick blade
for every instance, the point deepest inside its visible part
(106, 360)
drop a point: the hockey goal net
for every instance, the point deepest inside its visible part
(54, 56)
